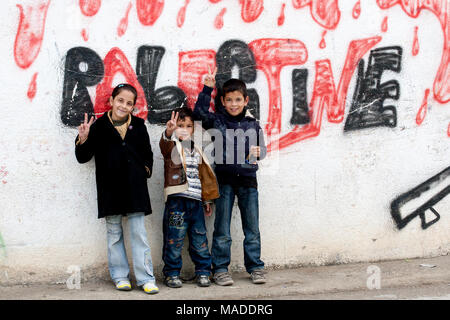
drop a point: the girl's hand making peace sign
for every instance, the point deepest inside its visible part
(210, 79)
(83, 129)
(171, 124)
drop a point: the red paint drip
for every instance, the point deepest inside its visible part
(384, 24)
(323, 44)
(182, 14)
(251, 9)
(282, 16)
(423, 108)
(218, 22)
(324, 12)
(32, 88)
(123, 26)
(85, 34)
(149, 11)
(90, 7)
(3, 173)
(356, 10)
(441, 9)
(415, 47)
(30, 33)
(448, 130)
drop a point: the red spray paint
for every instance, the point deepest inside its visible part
(218, 22)
(423, 108)
(32, 88)
(85, 34)
(30, 33)
(415, 47)
(356, 10)
(326, 96)
(441, 9)
(192, 67)
(325, 12)
(281, 17)
(251, 9)
(271, 55)
(384, 24)
(323, 44)
(182, 14)
(90, 7)
(122, 28)
(149, 11)
(116, 62)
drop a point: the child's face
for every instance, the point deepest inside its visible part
(234, 102)
(122, 105)
(185, 128)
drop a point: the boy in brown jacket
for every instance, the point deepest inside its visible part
(190, 185)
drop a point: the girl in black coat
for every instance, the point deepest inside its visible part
(121, 146)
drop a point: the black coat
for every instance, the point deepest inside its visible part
(119, 166)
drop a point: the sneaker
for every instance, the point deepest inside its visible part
(150, 288)
(123, 285)
(223, 279)
(203, 280)
(173, 282)
(258, 276)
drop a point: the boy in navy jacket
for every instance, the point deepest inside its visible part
(238, 143)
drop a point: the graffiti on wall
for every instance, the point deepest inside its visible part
(375, 68)
(268, 55)
(417, 201)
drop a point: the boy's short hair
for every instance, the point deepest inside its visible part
(184, 112)
(234, 85)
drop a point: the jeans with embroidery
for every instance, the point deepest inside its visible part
(221, 246)
(185, 216)
(117, 256)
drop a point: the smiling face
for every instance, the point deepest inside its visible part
(234, 102)
(122, 105)
(185, 128)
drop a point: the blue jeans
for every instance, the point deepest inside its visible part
(117, 256)
(221, 247)
(183, 215)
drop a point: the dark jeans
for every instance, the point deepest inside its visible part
(221, 248)
(183, 215)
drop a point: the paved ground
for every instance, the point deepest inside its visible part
(402, 279)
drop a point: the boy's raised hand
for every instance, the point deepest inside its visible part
(83, 129)
(210, 79)
(171, 124)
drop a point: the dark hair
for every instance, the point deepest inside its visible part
(234, 85)
(124, 86)
(184, 112)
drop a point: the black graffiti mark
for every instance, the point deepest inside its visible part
(83, 68)
(162, 101)
(236, 53)
(367, 109)
(300, 108)
(435, 182)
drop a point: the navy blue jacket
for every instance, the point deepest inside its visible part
(239, 141)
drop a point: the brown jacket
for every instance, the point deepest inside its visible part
(175, 180)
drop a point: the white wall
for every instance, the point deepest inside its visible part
(324, 199)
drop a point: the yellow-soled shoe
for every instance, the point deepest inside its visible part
(150, 288)
(123, 285)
